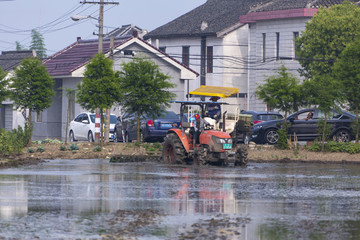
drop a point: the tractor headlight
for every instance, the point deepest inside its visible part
(223, 140)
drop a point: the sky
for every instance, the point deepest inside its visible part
(52, 18)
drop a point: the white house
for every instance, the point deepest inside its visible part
(211, 40)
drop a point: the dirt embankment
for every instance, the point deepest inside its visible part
(143, 152)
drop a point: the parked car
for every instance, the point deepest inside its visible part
(83, 127)
(306, 129)
(262, 116)
(151, 129)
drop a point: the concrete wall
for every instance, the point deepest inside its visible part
(50, 125)
(259, 70)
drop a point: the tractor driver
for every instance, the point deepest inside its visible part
(214, 110)
(199, 126)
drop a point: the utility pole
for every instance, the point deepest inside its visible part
(100, 51)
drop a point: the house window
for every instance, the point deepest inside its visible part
(210, 58)
(39, 116)
(185, 55)
(296, 35)
(163, 49)
(277, 47)
(263, 46)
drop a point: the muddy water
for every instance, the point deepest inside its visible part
(95, 199)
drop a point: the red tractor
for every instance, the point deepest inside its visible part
(212, 146)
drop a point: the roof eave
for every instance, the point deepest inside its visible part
(280, 14)
(179, 35)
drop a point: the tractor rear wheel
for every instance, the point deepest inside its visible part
(241, 156)
(173, 150)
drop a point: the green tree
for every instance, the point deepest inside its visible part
(319, 46)
(146, 89)
(100, 87)
(18, 46)
(347, 73)
(32, 87)
(3, 85)
(284, 92)
(326, 36)
(37, 44)
(323, 91)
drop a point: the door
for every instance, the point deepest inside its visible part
(84, 126)
(304, 126)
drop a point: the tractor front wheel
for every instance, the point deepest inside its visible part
(173, 150)
(201, 156)
(241, 156)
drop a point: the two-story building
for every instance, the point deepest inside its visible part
(238, 43)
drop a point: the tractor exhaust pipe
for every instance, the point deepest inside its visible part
(224, 117)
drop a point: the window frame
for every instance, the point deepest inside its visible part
(295, 36)
(263, 50)
(186, 55)
(277, 46)
(210, 59)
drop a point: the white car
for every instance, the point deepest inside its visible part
(83, 127)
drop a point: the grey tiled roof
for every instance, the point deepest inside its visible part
(275, 5)
(126, 31)
(76, 55)
(11, 59)
(80, 53)
(219, 15)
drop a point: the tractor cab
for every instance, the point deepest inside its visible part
(231, 119)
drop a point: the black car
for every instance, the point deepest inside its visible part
(305, 123)
(262, 116)
(151, 129)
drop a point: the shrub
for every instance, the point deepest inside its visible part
(14, 141)
(282, 143)
(30, 150)
(157, 145)
(73, 147)
(40, 149)
(62, 148)
(97, 149)
(345, 147)
(152, 147)
(49, 140)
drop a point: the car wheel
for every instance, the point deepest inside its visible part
(90, 137)
(342, 135)
(71, 136)
(271, 136)
(246, 139)
(126, 137)
(115, 136)
(142, 138)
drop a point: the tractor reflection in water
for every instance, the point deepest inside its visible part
(212, 147)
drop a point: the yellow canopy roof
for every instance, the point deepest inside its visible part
(222, 92)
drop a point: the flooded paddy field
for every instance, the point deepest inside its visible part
(95, 199)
